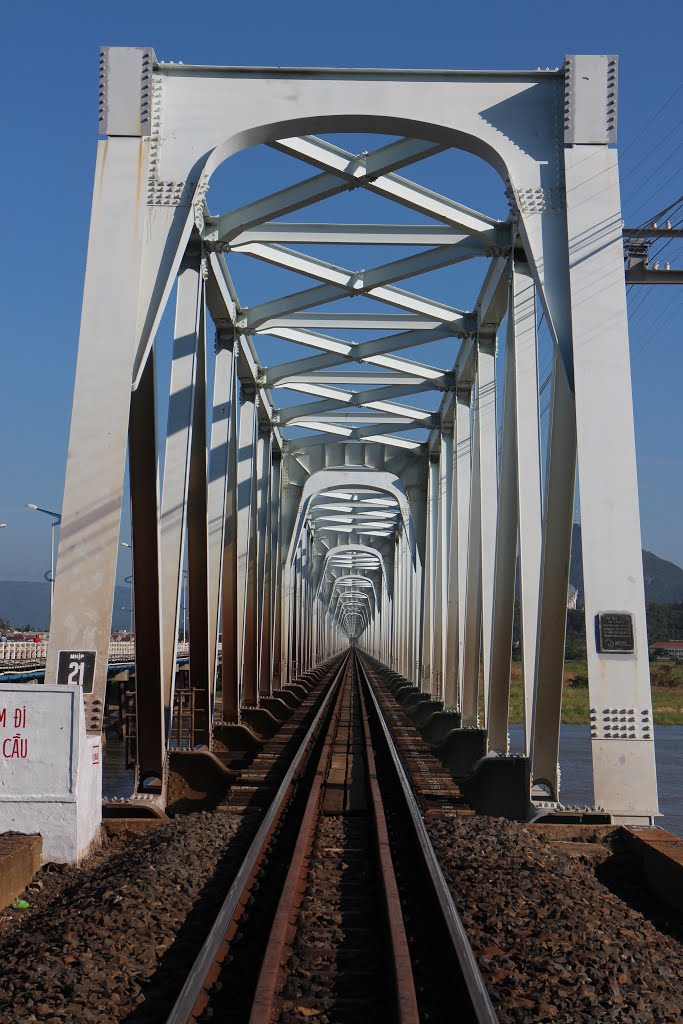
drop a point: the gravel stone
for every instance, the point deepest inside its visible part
(111, 940)
(553, 941)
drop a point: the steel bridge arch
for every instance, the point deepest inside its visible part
(508, 129)
(550, 136)
(376, 553)
(355, 476)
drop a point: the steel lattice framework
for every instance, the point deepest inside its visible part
(392, 521)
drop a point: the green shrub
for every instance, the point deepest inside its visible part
(666, 676)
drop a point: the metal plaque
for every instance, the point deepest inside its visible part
(615, 631)
(77, 668)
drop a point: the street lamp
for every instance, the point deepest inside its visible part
(56, 520)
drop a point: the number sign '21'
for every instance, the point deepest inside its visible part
(77, 668)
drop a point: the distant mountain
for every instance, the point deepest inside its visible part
(663, 580)
(24, 604)
(28, 604)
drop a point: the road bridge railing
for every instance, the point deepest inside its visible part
(26, 651)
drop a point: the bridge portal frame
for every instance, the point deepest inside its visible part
(549, 134)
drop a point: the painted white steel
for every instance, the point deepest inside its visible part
(173, 521)
(623, 772)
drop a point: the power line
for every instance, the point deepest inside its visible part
(651, 149)
(658, 216)
(651, 337)
(652, 120)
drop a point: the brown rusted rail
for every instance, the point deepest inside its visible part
(389, 796)
(480, 1007)
(272, 975)
(194, 996)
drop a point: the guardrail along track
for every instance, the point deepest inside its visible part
(339, 912)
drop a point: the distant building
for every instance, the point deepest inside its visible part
(667, 650)
(572, 596)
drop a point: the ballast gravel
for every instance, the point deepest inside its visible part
(114, 939)
(553, 941)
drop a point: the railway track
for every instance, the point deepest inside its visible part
(340, 911)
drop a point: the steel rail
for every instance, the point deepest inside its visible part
(406, 996)
(205, 970)
(480, 999)
(275, 959)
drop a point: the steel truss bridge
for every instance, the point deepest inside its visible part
(391, 521)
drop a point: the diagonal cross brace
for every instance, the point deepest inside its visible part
(360, 399)
(342, 176)
(369, 172)
(354, 352)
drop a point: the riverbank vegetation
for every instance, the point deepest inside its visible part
(667, 693)
(664, 622)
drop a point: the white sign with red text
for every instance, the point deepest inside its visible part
(36, 729)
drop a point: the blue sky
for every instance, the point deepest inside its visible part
(50, 69)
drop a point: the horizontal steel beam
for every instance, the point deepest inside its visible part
(361, 416)
(355, 379)
(353, 74)
(638, 275)
(351, 322)
(646, 233)
(290, 232)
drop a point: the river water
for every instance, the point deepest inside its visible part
(576, 785)
(575, 764)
